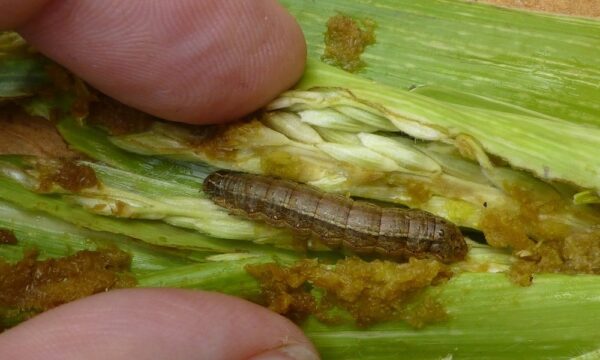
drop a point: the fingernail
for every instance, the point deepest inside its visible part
(288, 352)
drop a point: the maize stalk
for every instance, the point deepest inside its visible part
(480, 130)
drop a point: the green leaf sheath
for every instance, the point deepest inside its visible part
(148, 231)
(223, 276)
(95, 143)
(540, 62)
(55, 238)
(490, 318)
(21, 76)
(552, 149)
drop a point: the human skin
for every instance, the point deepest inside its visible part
(156, 324)
(195, 61)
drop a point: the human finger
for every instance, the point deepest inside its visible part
(157, 324)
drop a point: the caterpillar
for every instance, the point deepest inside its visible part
(361, 227)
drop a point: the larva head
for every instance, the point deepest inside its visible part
(213, 184)
(448, 244)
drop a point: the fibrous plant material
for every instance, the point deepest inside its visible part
(452, 176)
(345, 40)
(32, 286)
(67, 174)
(538, 62)
(23, 134)
(7, 237)
(370, 292)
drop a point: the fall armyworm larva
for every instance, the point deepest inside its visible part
(338, 221)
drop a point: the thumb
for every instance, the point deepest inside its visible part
(184, 60)
(157, 324)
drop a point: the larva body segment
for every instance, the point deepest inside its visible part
(339, 222)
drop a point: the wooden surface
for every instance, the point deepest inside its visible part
(588, 8)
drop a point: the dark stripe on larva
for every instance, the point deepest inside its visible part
(361, 227)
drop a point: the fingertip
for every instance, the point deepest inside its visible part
(14, 13)
(152, 324)
(182, 60)
(287, 352)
